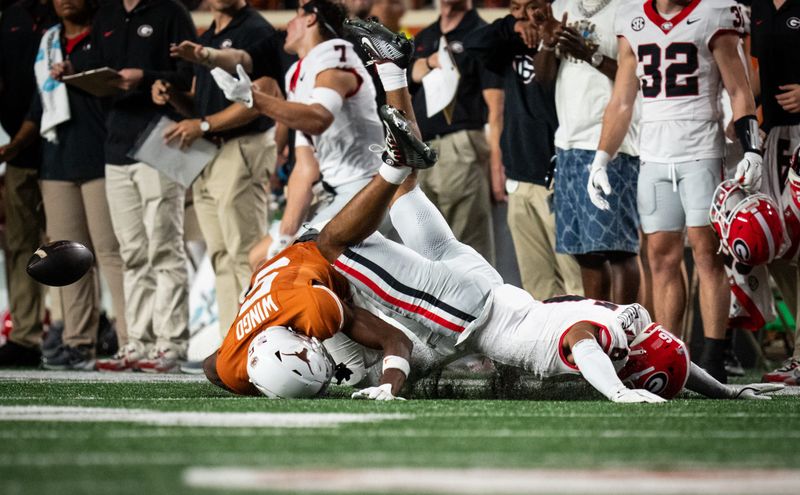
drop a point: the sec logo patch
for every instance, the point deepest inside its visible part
(637, 24)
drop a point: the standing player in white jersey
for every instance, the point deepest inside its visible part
(679, 53)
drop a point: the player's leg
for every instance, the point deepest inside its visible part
(663, 222)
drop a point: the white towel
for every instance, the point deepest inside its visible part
(55, 103)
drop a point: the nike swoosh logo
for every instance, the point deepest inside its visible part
(692, 21)
(108, 33)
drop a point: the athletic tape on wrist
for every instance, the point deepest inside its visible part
(328, 98)
(394, 175)
(601, 159)
(392, 77)
(747, 132)
(398, 363)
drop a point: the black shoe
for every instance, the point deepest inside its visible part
(13, 354)
(732, 364)
(380, 44)
(402, 146)
(52, 339)
(71, 358)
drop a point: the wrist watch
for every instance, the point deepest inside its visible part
(597, 59)
(205, 126)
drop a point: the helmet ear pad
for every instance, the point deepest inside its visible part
(749, 226)
(284, 364)
(658, 361)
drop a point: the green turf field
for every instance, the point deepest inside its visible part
(131, 440)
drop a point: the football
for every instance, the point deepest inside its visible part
(60, 263)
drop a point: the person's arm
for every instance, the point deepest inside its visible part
(545, 63)
(494, 98)
(299, 190)
(572, 43)
(163, 93)
(231, 117)
(227, 59)
(596, 367)
(210, 370)
(315, 117)
(22, 139)
(619, 111)
(701, 382)
(370, 331)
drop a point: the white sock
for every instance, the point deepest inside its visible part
(392, 77)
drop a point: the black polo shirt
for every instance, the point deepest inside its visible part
(270, 59)
(21, 28)
(78, 155)
(529, 113)
(776, 43)
(140, 39)
(470, 110)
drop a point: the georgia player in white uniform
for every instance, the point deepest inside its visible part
(677, 54)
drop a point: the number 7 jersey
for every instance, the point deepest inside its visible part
(680, 82)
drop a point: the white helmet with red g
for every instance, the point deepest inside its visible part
(658, 362)
(748, 225)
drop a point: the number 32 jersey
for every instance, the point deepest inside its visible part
(680, 82)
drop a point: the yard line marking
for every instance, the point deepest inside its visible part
(96, 376)
(500, 481)
(187, 418)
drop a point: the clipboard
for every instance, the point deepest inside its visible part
(95, 81)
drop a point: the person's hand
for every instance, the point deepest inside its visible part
(433, 60)
(757, 391)
(626, 395)
(189, 51)
(160, 92)
(498, 179)
(598, 181)
(128, 79)
(527, 31)
(185, 131)
(570, 42)
(237, 90)
(548, 27)
(748, 171)
(8, 152)
(789, 100)
(277, 245)
(61, 69)
(381, 392)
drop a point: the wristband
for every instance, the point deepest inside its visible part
(329, 99)
(747, 132)
(392, 77)
(394, 175)
(545, 48)
(398, 363)
(601, 159)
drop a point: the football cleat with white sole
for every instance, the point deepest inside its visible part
(403, 148)
(380, 44)
(780, 375)
(160, 360)
(126, 359)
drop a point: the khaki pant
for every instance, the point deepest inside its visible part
(459, 187)
(147, 214)
(24, 228)
(543, 272)
(79, 212)
(231, 206)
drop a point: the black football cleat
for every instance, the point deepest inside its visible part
(380, 44)
(402, 146)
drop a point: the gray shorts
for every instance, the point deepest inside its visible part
(673, 196)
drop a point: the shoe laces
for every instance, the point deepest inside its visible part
(390, 148)
(790, 364)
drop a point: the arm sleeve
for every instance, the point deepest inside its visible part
(704, 384)
(596, 367)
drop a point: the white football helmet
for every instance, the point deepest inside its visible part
(283, 364)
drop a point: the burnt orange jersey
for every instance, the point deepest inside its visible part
(298, 289)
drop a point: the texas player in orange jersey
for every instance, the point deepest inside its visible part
(299, 287)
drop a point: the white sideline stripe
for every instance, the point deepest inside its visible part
(504, 481)
(186, 418)
(95, 376)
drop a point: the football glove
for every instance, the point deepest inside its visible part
(626, 395)
(279, 244)
(381, 392)
(748, 171)
(757, 391)
(598, 180)
(236, 90)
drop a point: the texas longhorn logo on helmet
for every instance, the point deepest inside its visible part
(749, 226)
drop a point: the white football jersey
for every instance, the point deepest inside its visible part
(521, 331)
(680, 82)
(343, 149)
